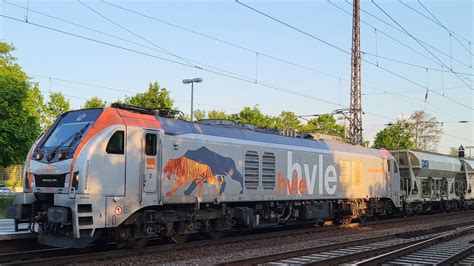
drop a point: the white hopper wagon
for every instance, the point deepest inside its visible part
(465, 182)
(428, 180)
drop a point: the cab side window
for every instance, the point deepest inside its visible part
(150, 144)
(116, 143)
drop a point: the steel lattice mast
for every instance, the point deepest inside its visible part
(355, 133)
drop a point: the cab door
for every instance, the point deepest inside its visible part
(151, 161)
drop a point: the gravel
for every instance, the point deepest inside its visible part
(213, 254)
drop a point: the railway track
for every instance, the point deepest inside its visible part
(355, 252)
(63, 255)
(66, 255)
(446, 249)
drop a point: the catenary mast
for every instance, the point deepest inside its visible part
(355, 133)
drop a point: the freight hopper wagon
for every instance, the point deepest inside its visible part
(465, 182)
(428, 181)
(126, 175)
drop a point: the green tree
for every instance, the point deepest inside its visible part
(324, 124)
(394, 137)
(18, 127)
(94, 102)
(200, 115)
(56, 105)
(154, 98)
(453, 151)
(287, 121)
(214, 114)
(36, 107)
(252, 115)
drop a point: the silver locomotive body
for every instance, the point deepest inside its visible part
(122, 175)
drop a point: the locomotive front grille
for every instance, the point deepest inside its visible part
(50, 180)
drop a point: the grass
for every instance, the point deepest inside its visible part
(4, 202)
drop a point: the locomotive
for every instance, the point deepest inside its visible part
(125, 174)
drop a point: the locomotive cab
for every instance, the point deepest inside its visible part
(75, 183)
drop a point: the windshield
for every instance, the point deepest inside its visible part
(64, 132)
(71, 124)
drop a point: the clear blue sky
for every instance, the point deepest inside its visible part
(52, 54)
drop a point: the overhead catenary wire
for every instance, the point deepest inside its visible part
(347, 52)
(400, 30)
(420, 43)
(153, 43)
(259, 53)
(415, 65)
(73, 35)
(134, 34)
(198, 33)
(177, 62)
(232, 44)
(436, 21)
(113, 89)
(412, 91)
(340, 49)
(87, 38)
(225, 73)
(377, 30)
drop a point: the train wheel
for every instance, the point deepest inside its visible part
(122, 244)
(216, 234)
(344, 220)
(139, 243)
(178, 239)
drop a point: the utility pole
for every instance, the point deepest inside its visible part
(355, 132)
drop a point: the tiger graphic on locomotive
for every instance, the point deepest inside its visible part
(126, 174)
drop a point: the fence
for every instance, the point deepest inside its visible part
(13, 173)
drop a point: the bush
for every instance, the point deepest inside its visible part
(4, 202)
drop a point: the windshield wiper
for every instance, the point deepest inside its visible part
(79, 135)
(73, 137)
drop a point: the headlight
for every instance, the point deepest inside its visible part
(38, 155)
(62, 155)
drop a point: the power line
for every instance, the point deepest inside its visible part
(411, 91)
(346, 52)
(127, 49)
(249, 80)
(399, 30)
(67, 95)
(250, 50)
(112, 89)
(185, 101)
(134, 34)
(421, 44)
(187, 60)
(173, 61)
(417, 66)
(226, 74)
(183, 64)
(438, 22)
(84, 27)
(195, 32)
(377, 30)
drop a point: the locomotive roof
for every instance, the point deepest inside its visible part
(437, 161)
(469, 162)
(179, 127)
